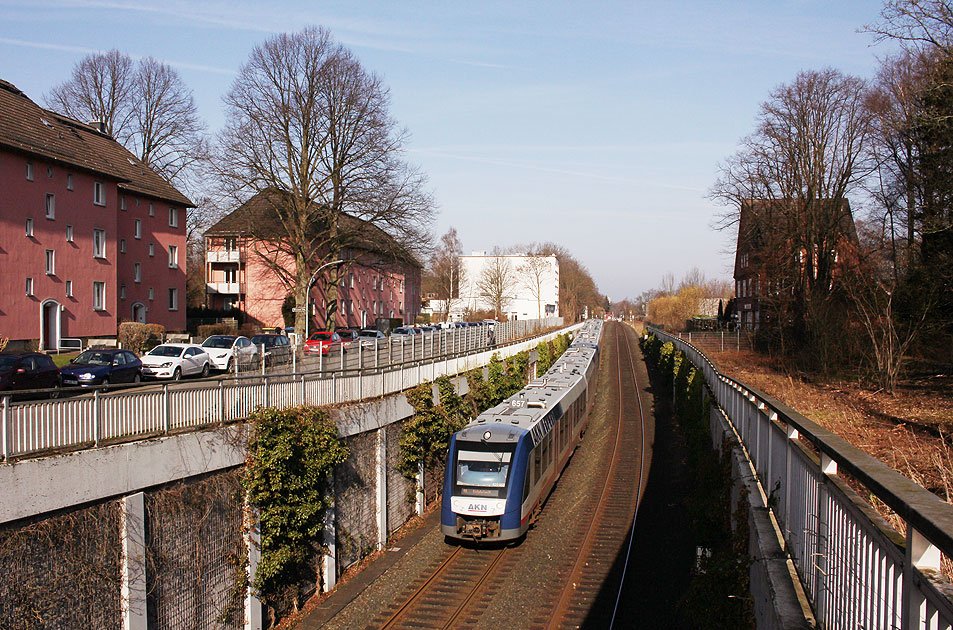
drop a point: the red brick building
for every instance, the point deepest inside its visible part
(89, 235)
(764, 253)
(241, 274)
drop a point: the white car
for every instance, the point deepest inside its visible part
(175, 360)
(225, 350)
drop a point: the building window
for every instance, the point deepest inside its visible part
(122, 202)
(99, 194)
(173, 299)
(69, 233)
(137, 272)
(137, 228)
(173, 256)
(152, 210)
(29, 286)
(122, 246)
(69, 181)
(152, 294)
(99, 296)
(29, 172)
(50, 206)
(50, 262)
(69, 288)
(152, 249)
(99, 243)
(173, 217)
(122, 292)
(29, 226)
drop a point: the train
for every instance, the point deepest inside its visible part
(502, 466)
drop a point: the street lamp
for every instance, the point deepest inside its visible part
(307, 293)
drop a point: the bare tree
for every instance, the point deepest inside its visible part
(306, 120)
(918, 23)
(448, 273)
(101, 88)
(496, 283)
(577, 289)
(533, 272)
(793, 176)
(145, 106)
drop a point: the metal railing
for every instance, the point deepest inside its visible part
(133, 413)
(857, 571)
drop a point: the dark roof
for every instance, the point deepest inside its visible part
(257, 218)
(28, 128)
(751, 224)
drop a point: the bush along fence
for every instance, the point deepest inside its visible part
(313, 491)
(716, 515)
(854, 569)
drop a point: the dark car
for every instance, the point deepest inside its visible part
(102, 367)
(277, 348)
(28, 370)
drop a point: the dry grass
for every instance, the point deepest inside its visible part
(909, 430)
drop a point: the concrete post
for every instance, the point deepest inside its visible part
(96, 424)
(920, 554)
(330, 545)
(253, 614)
(167, 410)
(5, 428)
(381, 487)
(133, 588)
(421, 505)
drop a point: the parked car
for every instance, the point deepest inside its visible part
(277, 348)
(175, 360)
(102, 367)
(225, 350)
(369, 337)
(323, 342)
(348, 336)
(403, 334)
(28, 370)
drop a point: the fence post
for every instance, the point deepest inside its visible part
(221, 399)
(267, 392)
(96, 436)
(167, 409)
(262, 359)
(6, 428)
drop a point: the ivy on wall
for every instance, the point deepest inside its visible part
(291, 455)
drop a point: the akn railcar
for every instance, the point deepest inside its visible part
(503, 465)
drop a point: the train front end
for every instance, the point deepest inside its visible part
(485, 464)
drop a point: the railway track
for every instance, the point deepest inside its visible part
(591, 571)
(463, 582)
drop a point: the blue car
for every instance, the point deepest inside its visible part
(102, 367)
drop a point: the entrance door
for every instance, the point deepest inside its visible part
(50, 316)
(139, 313)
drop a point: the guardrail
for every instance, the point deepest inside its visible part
(138, 412)
(857, 571)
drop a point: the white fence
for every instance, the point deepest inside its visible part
(857, 570)
(91, 420)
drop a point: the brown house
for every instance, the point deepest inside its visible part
(250, 270)
(785, 249)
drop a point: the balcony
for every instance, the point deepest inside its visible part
(225, 288)
(224, 256)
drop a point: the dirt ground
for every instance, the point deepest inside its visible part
(910, 430)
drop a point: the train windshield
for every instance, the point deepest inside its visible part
(488, 470)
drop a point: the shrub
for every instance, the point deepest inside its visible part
(291, 455)
(208, 330)
(134, 336)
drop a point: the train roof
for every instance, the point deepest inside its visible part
(526, 409)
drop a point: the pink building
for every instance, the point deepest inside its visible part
(240, 272)
(89, 235)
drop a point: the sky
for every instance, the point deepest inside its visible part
(595, 125)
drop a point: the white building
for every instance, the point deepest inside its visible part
(529, 285)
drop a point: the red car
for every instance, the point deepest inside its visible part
(323, 342)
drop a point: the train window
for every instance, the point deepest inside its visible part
(538, 466)
(526, 484)
(487, 470)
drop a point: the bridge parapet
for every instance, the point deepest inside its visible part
(856, 570)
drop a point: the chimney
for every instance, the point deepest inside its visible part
(98, 125)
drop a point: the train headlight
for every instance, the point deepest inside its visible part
(486, 435)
